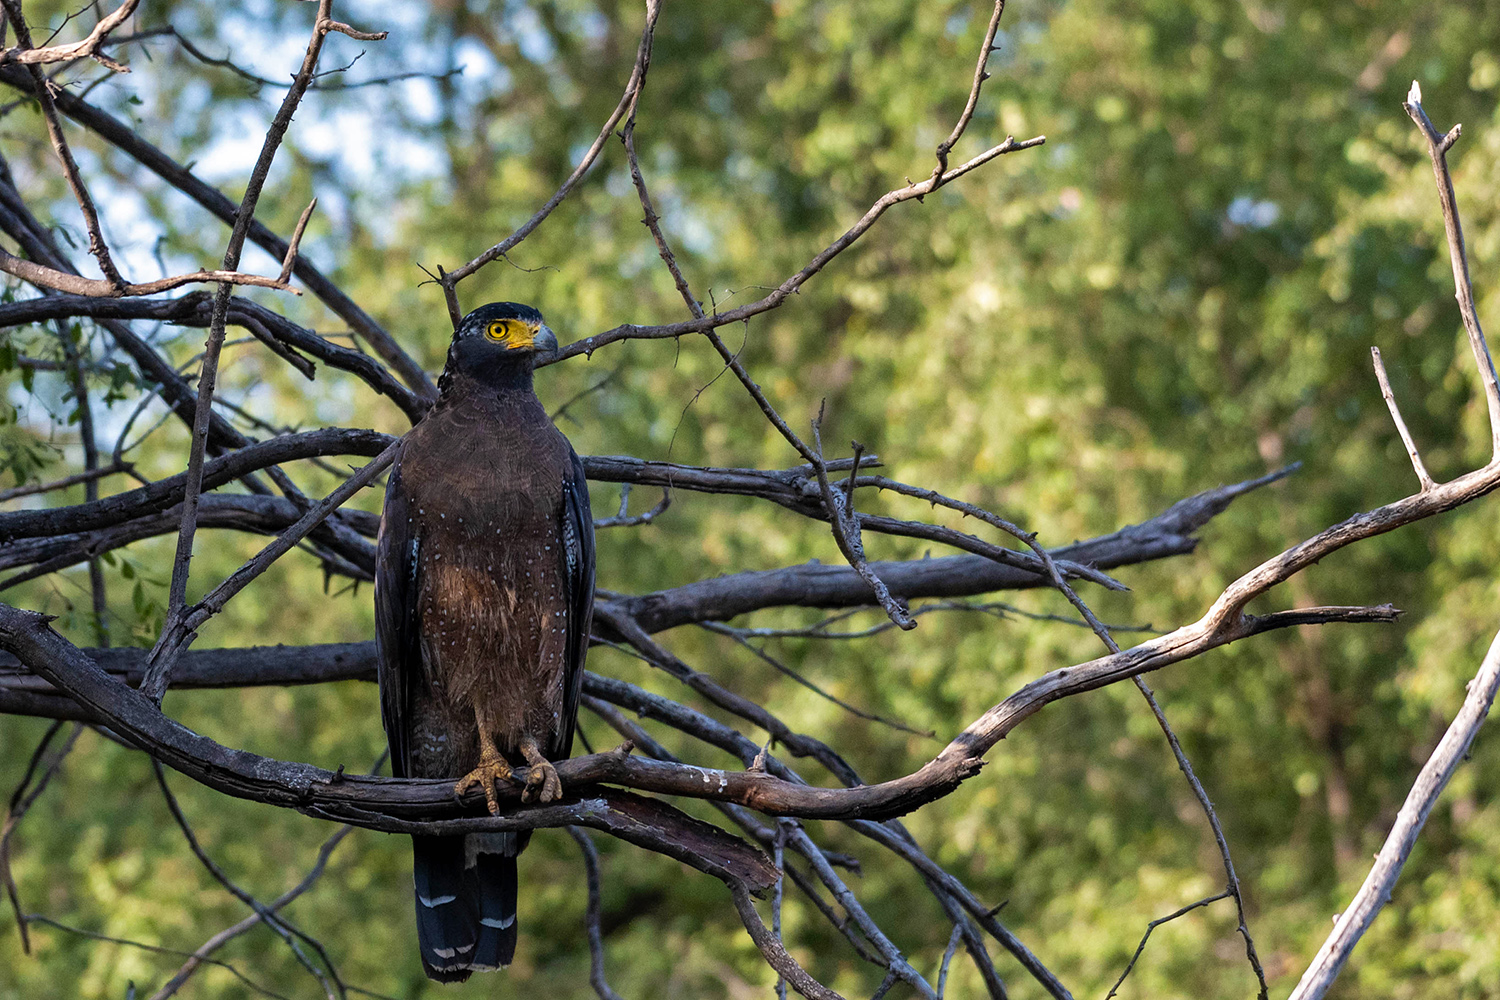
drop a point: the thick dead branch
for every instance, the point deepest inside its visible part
(87, 48)
(393, 804)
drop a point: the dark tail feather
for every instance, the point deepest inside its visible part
(446, 926)
(466, 903)
(496, 875)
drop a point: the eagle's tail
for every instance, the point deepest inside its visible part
(466, 903)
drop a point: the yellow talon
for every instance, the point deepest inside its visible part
(492, 770)
(541, 773)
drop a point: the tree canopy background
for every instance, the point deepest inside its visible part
(1180, 289)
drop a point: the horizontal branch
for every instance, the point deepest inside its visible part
(194, 310)
(128, 141)
(47, 277)
(84, 49)
(386, 803)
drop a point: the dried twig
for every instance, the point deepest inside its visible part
(1153, 925)
(202, 955)
(333, 987)
(980, 75)
(592, 916)
(175, 632)
(1406, 439)
(450, 279)
(1437, 150)
(20, 802)
(87, 48)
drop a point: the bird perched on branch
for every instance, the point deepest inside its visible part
(484, 591)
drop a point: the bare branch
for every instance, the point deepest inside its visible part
(591, 918)
(715, 320)
(176, 632)
(980, 75)
(1233, 888)
(1153, 925)
(290, 260)
(88, 48)
(1451, 751)
(44, 97)
(1437, 150)
(1406, 439)
(46, 277)
(123, 137)
(637, 80)
(205, 950)
(180, 630)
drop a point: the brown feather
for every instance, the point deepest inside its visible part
(484, 475)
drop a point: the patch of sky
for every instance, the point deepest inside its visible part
(1253, 214)
(719, 102)
(482, 76)
(532, 37)
(592, 25)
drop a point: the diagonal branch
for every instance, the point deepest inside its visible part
(1437, 150)
(43, 92)
(175, 631)
(1451, 751)
(450, 279)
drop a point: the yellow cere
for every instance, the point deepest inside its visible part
(511, 332)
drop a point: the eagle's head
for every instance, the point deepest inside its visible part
(507, 328)
(498, 345)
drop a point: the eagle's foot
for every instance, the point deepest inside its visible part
(492, 770)
(542, 782)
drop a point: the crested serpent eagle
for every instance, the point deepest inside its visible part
(484, 590)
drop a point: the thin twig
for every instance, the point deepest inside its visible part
(20, 802)
(97, 246)
(1437, 150)
(333, 987)
(201, 956)
(174, 634)
(593, 914)
(450, 279)
(38, 918)
(66, 481)
(980, 75)
(1406, 439)
(290, 260)
(1153, 925)
(1232, 889)
(953, 939)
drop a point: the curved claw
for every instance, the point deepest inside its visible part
(492, 770)
(542, 784)
(541, 773)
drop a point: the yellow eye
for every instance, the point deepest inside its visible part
(511, 332)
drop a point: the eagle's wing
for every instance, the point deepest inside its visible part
(396, 620)
(578, 546)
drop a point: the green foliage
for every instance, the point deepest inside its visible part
(1180, 289)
